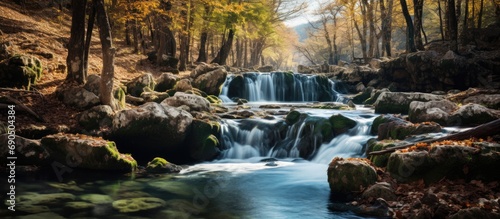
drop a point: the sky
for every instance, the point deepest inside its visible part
(306, 15)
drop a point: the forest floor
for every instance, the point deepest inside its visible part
(44, 33)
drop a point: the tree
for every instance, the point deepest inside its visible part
(418, 6)
(75, 59)
(386, 17)
(453, 25)
(410, 41)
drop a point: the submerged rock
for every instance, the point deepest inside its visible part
(160, 165)
(138, 204)
(347, 176)
(81, 151)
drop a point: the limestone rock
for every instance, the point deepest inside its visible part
(399, 102)
(165, 82)
(432, 111)
(380, 190)
(160, 165)
(390, 127)
(79, 97)
(489, 100)
(139, 84)
(81, 151)
(20, 71)
(151, 129)
(266, 68)
(96, 117)
(350, 176)
(211, 82)
(28, 152)
(194, 102)
(183, 85)
(474, 114)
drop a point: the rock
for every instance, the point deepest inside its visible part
(399, 102)
(474, 114)
(203, 142)
(151, 129)
(28, 152)
(474, 212)
(183, 85)
(347, 176)
(78, 206)
(292, 117)
(138, 204)
(432, 111)
(20, 71)
(154, 96)
(50, 215)
(360, 87)
(374, 96)
(410, 166)
(489, 100)
(209, 78)
(341, 124)
(165, 82)
(395, 128)
(362, 96)
(380, 190)
(50, 199)
(375, 63)
(139, 84)
(194, 102)
(81, 151)
(93, 83)
(308, 69)
(96, 117)
(374, 145)
(214, 99)
(160, 165)
(266, 68)
(97, 199)
(78, 97)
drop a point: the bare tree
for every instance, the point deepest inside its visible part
(75, 59)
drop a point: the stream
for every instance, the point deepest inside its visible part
(259, 174)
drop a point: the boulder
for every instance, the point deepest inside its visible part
(474, 114)
(432, 111)
(489, 100)
(214, 99)
(96, 117)
(93, 83)
(78, 97)
(211, 82)
(374, 145)
(452, 162)
(86, 152)
(28, 152)
(183, 85)
(151, 129)
(160, 165)
(380, 190)
(341, 124)
(363, 95)
(292, 117)
(20, 71)
(139, 84)
(154, 96)
(194, 102)
(399, 102)
(266, 68)
(391, 127)
(347, 176)
(165, 82)
(133, 205)
(203, 142)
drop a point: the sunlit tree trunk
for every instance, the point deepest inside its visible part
(75, 58)
(440, 20)
(224, 49)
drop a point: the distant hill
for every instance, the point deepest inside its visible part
(303, 29)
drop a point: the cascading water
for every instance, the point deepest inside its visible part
(247, 138)
(279, 87)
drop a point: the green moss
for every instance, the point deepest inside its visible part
(292, 117)
(120, 95)
(214, 99)
(203, 141)
(340, 123)
(157, 163)
(197, 91)
(379, 160)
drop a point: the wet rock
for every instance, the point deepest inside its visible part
(160, 165)
(194, 102)
(81, 151)
(137, 85)
(432, 111)
(28, 152)
(363, 95)
(350, 176)
(474, 114)
(390, 127)
(138, 204)
(78, 97)
(165, 82)
(292, 117)
(380, 190)
(209, 78)
(203, 142)
(20, 71)
(151, 129)
(341, 124)
(96, 117)
(489, 100)
(399, 102)
(374, 145)
(51, 199)
(78, 206)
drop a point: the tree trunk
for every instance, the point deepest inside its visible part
(108, 55)
(440, 20)
(418, 6)
(463, 35)
(75, 58)
(371, 24)
(453, 26)
(386, 16)
(202, 53)
(88, 38)
(225, 49)
(480, 16)
(135, 33)
(410, 41)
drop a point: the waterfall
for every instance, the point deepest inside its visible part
(247, 138)
(279, 87)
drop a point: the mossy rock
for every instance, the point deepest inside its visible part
(203, 141)
(196, 91)
(214, 99)
(236, 87)
(346, 176)
(133, 205)
(78, 206)
(97, 199)
(137, 85)
(51, 199)
(340, 123)
(81, 151)
(160, 165)
(374, 145)
(120, 94)
(361, 97)
(292, 117)
(20, 71)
